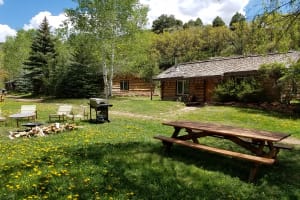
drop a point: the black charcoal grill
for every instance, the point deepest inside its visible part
(100, 106)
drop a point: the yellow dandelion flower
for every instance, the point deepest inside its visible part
(86, 180)
(109, 187)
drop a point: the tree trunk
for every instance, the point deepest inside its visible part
(111, 70)
(105, 79)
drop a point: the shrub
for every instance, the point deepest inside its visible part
(245, 90)
(226, 91)
(250, 90)
(290, 81)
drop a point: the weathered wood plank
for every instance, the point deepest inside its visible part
(229, 130)
(255, 159)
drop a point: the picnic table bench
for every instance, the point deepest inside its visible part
(263, 145)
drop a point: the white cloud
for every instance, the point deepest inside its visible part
(6, 31)
(1, 2)
(186, 10)
(54, 21)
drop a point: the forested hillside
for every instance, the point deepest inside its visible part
(106, 46)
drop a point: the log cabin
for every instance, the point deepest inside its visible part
(197, 80)
(130, 85)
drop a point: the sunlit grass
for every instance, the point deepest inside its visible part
(247, 118)
(145, 106)
(121, 160)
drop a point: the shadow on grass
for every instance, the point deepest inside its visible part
(281, 175)
(137, 170)
(208, 161)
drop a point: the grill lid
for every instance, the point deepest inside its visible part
(94, 102)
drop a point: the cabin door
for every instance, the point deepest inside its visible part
(208, 90)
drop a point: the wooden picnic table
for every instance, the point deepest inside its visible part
(262, 146)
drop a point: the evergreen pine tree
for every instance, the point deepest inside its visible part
(40, 66)
(218, 21)
(81, 80)
(236, 18)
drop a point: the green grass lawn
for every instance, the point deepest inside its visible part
(121, 160)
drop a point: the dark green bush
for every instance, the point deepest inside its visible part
(226, 91)
(79, 83)
(245, 90)
(249, 90)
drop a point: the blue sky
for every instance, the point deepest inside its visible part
(27, 14)
(16, 13)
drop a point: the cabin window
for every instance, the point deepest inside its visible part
(124, 85)
(182, 87)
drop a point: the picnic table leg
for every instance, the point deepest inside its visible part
(261, 148)
(168, 145)
(176, 132)
(273, 151)
(193, 136)
(253, 172)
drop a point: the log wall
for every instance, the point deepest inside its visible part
(137, 86)
(200, 88)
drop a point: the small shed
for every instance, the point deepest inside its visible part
(198, 79)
